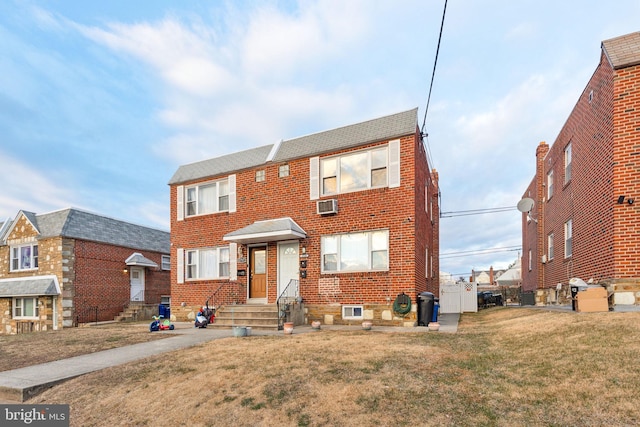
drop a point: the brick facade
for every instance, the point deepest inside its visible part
(90, 275)
(409, 212)
(604, 136)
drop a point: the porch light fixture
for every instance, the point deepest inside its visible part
(125, 270)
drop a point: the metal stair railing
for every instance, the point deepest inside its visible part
(289, 295)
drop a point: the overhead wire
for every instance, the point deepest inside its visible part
(423, 134)
(479, 252)
(452, 214)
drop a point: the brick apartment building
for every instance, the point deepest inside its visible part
(66, 267)
(346, 219)
(584, 222)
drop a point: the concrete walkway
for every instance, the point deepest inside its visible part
(18, 385)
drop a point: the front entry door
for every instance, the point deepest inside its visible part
(137, 284)
(258, 272)
(288, 269)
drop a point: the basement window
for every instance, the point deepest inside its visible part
(352, 312)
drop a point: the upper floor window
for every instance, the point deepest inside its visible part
(568, 238)
(208, 198)
(365, 251)
(24, 257)
(166, 262)
(260, 175)
(210, 263)
(567, 163)
(354, 171)
(283, 170)
(25, 308)
(549, 184)
(550, 246)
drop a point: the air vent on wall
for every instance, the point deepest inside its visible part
(326, 207)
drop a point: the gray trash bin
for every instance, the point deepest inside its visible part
(425, 308)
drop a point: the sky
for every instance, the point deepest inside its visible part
(101, 102)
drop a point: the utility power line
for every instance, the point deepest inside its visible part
(476, 211)
(479, 252)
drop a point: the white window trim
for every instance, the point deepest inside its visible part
(567, 163)
(166, 262)
(550, 184)
(14, 306)
(216, 275)
(392, 167)
(181, 263)
(338, 255)
(33, 258)
(352, 307)
(181, 197)
(550, 246)
(568, 238)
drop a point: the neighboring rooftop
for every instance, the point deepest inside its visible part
(387, 127)
(78, 224)
(623, 51)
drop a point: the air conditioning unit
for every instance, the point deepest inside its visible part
(327, 207)
(543, 259)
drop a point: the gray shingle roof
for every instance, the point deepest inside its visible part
(219, 165)
(29, 286)
(387, 127)
(267, 231)
(623, 51)
(77, 224)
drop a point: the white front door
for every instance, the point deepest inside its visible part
(137, 284)
(288, 259)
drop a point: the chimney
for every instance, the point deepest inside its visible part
(491, 275)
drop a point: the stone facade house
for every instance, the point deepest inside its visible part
(66, 267)
(584, 223)
(343, 223)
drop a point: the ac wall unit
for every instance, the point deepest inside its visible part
(543, 259)
(326, 207)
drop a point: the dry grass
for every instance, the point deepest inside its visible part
(45, 347)
(505, 367)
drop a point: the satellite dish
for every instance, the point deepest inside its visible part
(525, 205)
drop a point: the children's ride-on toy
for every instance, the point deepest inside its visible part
(204, 317)
(160, 325)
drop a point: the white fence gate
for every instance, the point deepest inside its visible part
(458, 297)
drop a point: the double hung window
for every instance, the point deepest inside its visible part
(24, 257)
(365, 251)
(207, 198)
(354, 171)
(210, 263)
(25, 308)
(567, 163)
(568, 238)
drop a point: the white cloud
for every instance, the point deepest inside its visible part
(27, 188)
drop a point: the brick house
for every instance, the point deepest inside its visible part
(66, 267)
(584, 222)
(342, 222)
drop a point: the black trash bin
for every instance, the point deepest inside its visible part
(425, 308)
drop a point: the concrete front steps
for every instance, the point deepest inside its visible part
(257, 316)
(137, 311)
